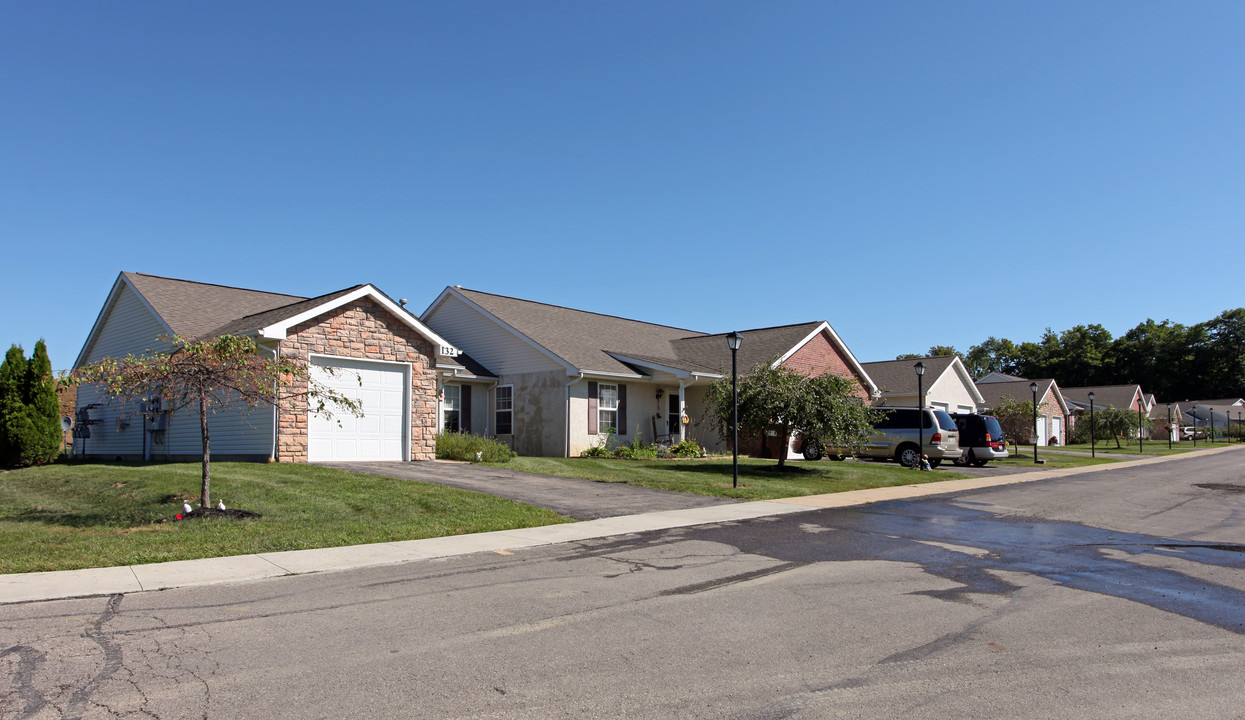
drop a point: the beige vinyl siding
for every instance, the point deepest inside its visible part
(496, 347)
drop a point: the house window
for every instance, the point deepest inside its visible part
(607, 408)
(451, 408)
(505, 410)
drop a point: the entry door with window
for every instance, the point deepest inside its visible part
(673, 417)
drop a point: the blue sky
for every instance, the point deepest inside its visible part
(917, 173)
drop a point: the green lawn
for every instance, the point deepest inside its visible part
(60, 517)
(1155, 447)
(758, 479)
(1054, 459)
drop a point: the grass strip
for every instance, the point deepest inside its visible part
(69, 516)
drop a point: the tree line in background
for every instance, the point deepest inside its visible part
(1170, 360)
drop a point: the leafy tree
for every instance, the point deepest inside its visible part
(210, 374)
(934, 351)
(1226, 353)
(1016, 418)
(30, 432)
(12, 408)
(993, 355)
(826, 406)
(1118, 423)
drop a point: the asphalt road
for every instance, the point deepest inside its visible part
(1113, 594)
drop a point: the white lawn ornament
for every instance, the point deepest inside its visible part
(186, 508)
(220, 505)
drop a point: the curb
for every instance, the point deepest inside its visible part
(93, 582)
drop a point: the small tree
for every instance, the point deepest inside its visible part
(210, 374)
(825, 407)
(30, 432)
(1016, 419)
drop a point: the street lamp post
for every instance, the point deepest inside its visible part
(1169, 426)
(733, 341)
(920, 425)
(1141, 446)
(1033, 387)
(1093, 431)
(1193, 413)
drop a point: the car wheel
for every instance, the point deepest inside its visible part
(935, 463)
(980, 463)
(812, 451)
(964, 460)
(837, 457)
(907, 455)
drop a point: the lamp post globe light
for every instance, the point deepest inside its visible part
(733, 341)
(1093, 435)
(920, 425)
(1033, 388)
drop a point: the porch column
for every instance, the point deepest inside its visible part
(682, 411)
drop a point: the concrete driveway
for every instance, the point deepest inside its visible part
(572, 497)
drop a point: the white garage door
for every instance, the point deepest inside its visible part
(381, 433)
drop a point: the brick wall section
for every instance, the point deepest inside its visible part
(818, 357)
(1049, 406)
(366, 331)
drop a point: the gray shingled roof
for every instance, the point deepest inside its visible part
(899, 376)
(761, 345)
(589, 341)
(251, 323)
(993, 392)
(194, 310)
(584, 339)
(1112, 396)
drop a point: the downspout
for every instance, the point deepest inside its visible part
(566, 449)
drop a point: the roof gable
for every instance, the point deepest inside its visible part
(898, 377)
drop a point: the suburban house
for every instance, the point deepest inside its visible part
(555, 381)
(356, 340)
(1222, 413)
(946, 384)
(1052, 409)
(1123, 397)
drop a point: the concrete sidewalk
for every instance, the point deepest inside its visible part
(27, 587)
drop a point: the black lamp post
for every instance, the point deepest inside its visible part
(1033, 387)
(1169, 426)
(1193, 413)
(1238, 426)
(920, 425)
(1141, 446)
(733, 341)
(1210, 412)
(1093, 434)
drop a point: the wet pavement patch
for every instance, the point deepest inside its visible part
(1225, 487)
(971, 546)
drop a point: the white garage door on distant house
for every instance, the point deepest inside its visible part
(381, 433)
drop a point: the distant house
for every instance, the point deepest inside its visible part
(1221, 413)
(1123, 397)
(558, 379)
(390, 359)
(946, 384)
(1052, 409)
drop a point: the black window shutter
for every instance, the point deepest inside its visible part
(592, 408)
(622, 409)
(464, 423)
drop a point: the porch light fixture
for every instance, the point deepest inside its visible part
(920, 425)
(1092, 434)
(733, 341)
(1033, 387)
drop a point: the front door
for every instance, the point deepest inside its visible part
(672, 417)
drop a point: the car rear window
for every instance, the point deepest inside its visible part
(993, 427)
(945, 421)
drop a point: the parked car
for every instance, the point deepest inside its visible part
(896, 437)
(981, 439)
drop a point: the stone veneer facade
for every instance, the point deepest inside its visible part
(362, 330)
